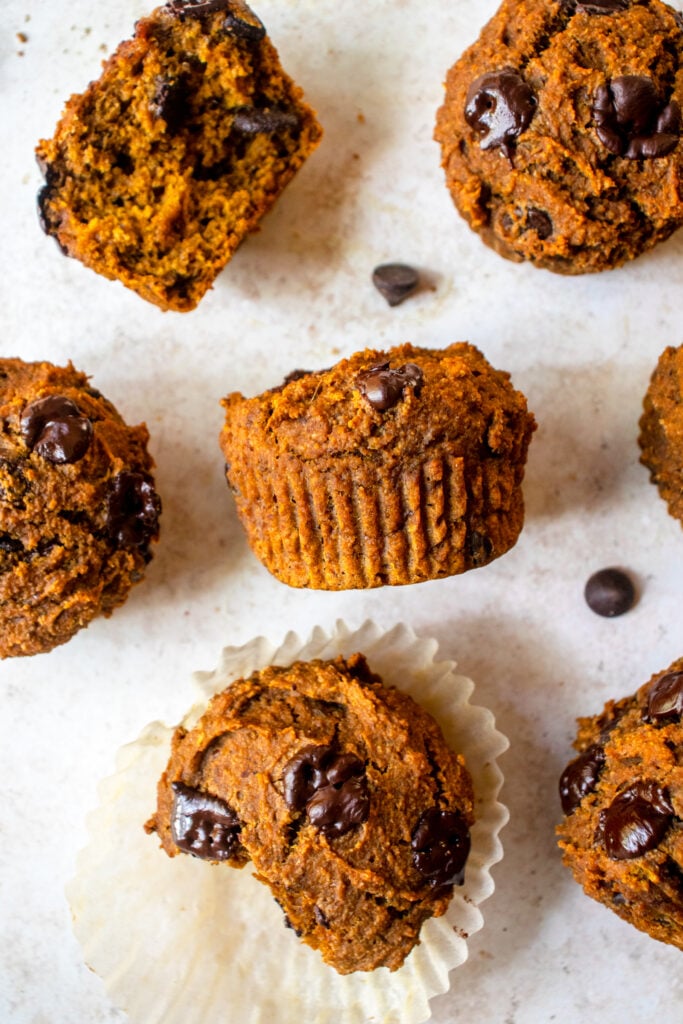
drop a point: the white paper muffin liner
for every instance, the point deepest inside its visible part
(180, 941)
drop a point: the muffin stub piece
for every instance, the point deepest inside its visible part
(661, 429)
(158, 171)
(560, 131)
(78, 509)
(390, 468)
(622, 835)
(342, 793)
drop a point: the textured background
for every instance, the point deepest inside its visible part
(299, 294)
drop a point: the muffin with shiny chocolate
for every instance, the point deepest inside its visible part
(78, 509)
(661, 429)
(342, 793)
(622, 796)
(560, 131)
(392, 467)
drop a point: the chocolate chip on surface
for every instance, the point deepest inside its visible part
(499, 107)
(665, 699)
(540, 222)
(610, 592)
(636, 821)
(631, 120)
(263, 120)
(332, 788)
(203, 825)
(395, 281)
(383, 387)
(599, 6)
(580, 777)
(170, 101)
(133, 510)
(55, 429)
(441, 846)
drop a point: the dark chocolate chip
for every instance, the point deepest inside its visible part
(499, 107)
(10, 545)
(665, 699)
(55, 429)
(395, 281)
(599, 6)
(240, 20)
(383, 387)
(203, 825)
(320, 917)
(580, 777)
(610, 592)
(631, 120)
(540, 222)
(330, 786)
(441, 845)
(171, 101)
(133, 510)
(636, 821)
(263, 120)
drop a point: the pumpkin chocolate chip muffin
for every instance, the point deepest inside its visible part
(661, 429)
(622, 835)
(342, 793)
(159, 170)
(389, 468)
(78, 509)
(560, 131)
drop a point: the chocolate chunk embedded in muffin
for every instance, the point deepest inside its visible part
(560, 131)
(661, 429)
(392, 467)
(78, 508)
(622, 796)
(342, 793)
(159, 170)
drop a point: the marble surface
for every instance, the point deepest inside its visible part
(298, 293)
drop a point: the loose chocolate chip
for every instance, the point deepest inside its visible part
(330, 786)
(540, 222)
(133, 510)
(580, 777)
(441, 845)
(263, 120)
(636, 821)
(610, 592)
(395, 281)
(500, 106)
(665, 699)
(383, 387)
(170, 101)
(203, 825)
(55, 429)
(631, 120)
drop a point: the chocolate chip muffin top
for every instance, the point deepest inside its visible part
(622, 796)
(560, 131)
(392, 404)
(78, 509)
(342, 793)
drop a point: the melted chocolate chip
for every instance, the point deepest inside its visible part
(636, 821)
(263, 120)
(383, 387)
(499, 107)
(203, 825)
(540, 222)
(599, 6)
(133, 510)
(240, 20)
(441, 845)
(395, 281)
(610, 592)
(56, 430)
(631, 120)
(170, 101)
(330, 786)
(580, 777)
(665, 699)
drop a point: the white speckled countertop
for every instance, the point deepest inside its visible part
(298, 294)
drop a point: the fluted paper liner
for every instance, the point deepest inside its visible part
(179, 941)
